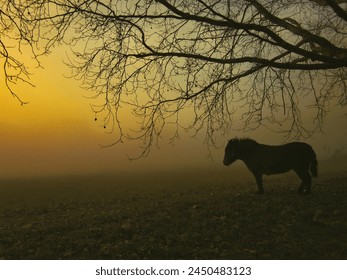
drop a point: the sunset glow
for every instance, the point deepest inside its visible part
(55, 133)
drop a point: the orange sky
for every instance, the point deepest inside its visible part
(56, 133)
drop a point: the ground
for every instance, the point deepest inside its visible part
(203, 214)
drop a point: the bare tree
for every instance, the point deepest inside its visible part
(215, 61)
(12, 39)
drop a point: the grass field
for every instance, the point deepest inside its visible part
(175, 215)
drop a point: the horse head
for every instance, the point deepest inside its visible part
(238, 148)
(230, 154)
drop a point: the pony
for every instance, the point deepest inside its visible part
(263, 159)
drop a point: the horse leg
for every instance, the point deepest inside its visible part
(308, 183)
(259, 180)
(301, 188)
(305, 177)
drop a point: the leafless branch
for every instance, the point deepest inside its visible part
(199, 66)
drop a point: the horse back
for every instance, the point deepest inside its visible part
(299, 148)
(268, 159)
(293, 151)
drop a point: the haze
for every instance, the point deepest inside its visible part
(55, 134)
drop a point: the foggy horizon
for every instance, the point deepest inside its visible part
(55, 134)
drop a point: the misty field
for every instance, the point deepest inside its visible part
(174, 215)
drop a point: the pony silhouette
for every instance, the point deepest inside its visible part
(263, 159)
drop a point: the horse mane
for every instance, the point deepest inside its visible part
(244, 145)
(244, 141)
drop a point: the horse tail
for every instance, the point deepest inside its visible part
(314, 165)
